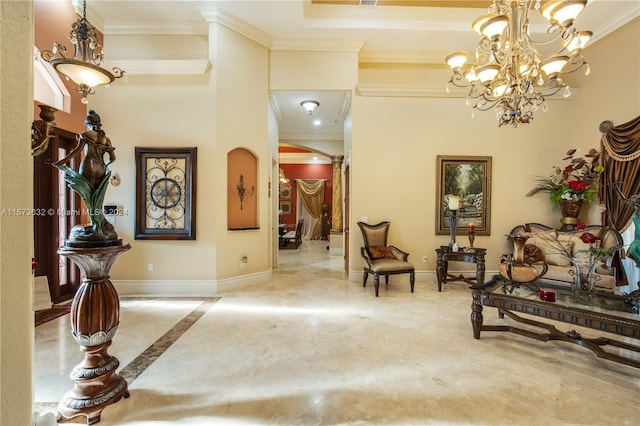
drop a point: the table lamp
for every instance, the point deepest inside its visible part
(453, 202)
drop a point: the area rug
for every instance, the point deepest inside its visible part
(54, 312)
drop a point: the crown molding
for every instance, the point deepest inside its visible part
(309, 137)
(157, 28)
(430, 91)
(345, 107)
(216, 15)
(301, 44)
(608, 27)
(389, 57)
(276, 107)
(303, 158)
(164, 66)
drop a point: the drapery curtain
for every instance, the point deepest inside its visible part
(620, 154)
(311, 192)
(620, 148)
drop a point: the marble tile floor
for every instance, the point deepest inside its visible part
(312, 348)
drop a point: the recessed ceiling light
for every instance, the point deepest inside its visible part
(317, 122)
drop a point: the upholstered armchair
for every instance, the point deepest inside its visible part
(380, 258)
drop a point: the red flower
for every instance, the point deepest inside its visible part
(588, 238)
(577, 185)
(34, 264)
(580, 225)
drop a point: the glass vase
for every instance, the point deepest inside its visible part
(584, 281)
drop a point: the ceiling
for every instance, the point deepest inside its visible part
(407, 31)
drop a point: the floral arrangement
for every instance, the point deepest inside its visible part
(597, 253)
(577, 180)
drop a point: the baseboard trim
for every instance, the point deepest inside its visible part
(184, 288)
(421, 276)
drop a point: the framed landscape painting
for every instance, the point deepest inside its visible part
(470, 178)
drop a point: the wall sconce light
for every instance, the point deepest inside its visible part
(310, 106)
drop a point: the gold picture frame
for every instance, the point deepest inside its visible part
(469, 177)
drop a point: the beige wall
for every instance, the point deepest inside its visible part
(612, 90)
(299, 70)
(403, 135)
(16, 232)
(217, 112)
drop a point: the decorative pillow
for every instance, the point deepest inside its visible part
(532, 253)
(380, 252)
(580, 249)
(557, 250)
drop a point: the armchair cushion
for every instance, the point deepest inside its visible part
(380, 252)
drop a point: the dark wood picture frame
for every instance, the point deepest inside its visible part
(469, 177)
(286, 207)
(165, 193)
(285, 194)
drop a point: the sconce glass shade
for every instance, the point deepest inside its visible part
(495, 26)
(565, 12)
(480, 21)
(578, 42)
(83, 73)
(487, 73)
(554, 65)
(457, 59)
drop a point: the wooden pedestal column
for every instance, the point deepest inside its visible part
(95, 315)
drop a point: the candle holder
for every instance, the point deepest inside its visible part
(472, 237)
(453, 226)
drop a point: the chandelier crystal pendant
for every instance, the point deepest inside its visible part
(85, 68)
(512, 71)
(285, 183)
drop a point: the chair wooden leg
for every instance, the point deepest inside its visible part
(364, 279)
(412, 279)
(376, 283)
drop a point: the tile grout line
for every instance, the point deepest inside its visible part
(140, 363)
(136, 367)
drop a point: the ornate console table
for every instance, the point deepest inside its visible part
(606, 313)
(471, 255)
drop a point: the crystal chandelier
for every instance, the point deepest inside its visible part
(510, 71)
(285, 184)
(85, 68)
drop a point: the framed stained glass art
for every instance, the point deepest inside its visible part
(165, 193)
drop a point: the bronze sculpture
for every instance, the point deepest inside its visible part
(90, 182)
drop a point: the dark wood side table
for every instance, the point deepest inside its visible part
(470, 255)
